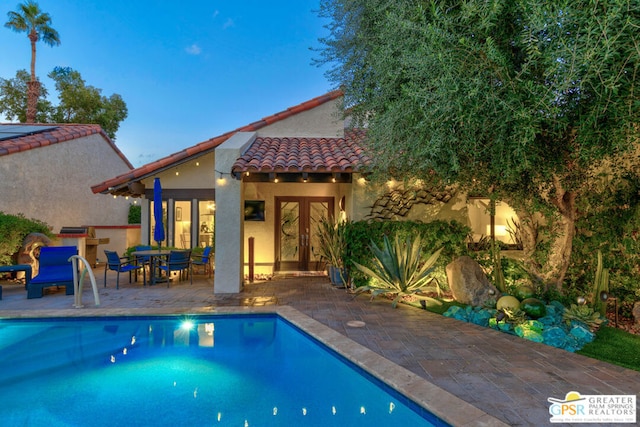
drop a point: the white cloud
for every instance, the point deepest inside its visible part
(194, 49)
(228, 24)
(216, 13)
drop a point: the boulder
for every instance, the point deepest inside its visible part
(468, 283)
(30, 250)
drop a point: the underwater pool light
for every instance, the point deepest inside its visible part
(187, 325)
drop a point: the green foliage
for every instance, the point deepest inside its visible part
(29, 18)
(600, 285)
(584, 314)
(523, 99)
(610, 224)
(13, 230)
(498, 278)
(513, 316)
(499, 91)
(450, 236)
(399, 269)
(78, 103)
(332, 241)
(13, 99)
(135, 214)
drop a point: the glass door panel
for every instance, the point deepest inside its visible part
(297, 220)
(317, 212)
(289, 231)
(182, 225)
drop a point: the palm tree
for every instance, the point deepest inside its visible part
(30, 19)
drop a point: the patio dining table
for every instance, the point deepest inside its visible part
(154, 255)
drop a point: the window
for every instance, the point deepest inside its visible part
(504, 219)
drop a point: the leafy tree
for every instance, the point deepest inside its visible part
(80, 103)
(37, 24)
(13, 99)
(521, 100)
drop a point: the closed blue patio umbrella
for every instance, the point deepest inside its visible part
(158, 232)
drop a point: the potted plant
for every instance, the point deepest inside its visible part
(332, 246)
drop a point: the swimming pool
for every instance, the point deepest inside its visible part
(239, 370)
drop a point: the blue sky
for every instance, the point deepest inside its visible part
(187, 70)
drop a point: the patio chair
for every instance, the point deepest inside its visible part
(179, 261)
(54, 269)
(144, 260)
(203, 261)
(121, 265)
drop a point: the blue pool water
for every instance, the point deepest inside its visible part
(232, 370)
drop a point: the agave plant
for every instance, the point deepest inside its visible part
(398, 269)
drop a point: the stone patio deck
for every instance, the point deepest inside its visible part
(501, 375)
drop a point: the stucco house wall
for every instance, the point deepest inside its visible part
(46, 173)
(52, 183)
(322, 121)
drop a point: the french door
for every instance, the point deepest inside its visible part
(297, 220)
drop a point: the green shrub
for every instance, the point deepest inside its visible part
(450, 236)
(610, 222)
(13, 230)
(135, 214)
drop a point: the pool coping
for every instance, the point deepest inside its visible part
(432, 398)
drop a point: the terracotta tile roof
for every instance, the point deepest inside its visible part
(304, 154)
(58, 134)
(119, 183)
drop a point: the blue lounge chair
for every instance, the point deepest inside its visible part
(179, 261)
(54, 269)
(203, 261)
(121, 265)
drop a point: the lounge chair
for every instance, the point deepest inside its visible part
(121, 265)
(179, 261)
(203, 261)
(54, 269)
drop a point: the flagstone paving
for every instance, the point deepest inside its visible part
(505, 376)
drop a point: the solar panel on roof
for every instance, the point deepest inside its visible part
(16, 131)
